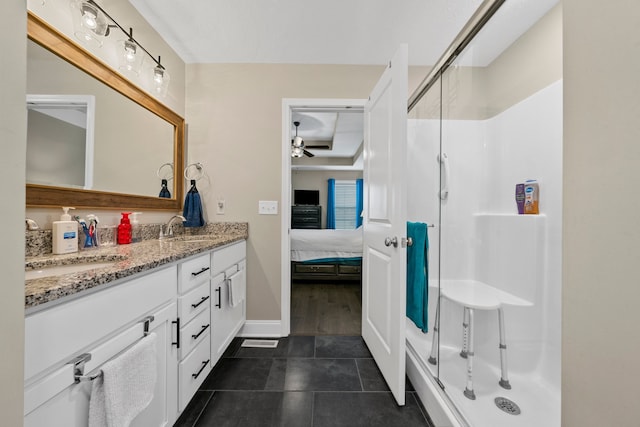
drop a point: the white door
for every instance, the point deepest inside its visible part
(384, 223)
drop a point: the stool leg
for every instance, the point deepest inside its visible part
(504, 379)
(434, 341)
(468, 391)
(465, 333)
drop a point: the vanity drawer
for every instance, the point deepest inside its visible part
(226, 257)
(193, 303)
(193, 272)
(193, 370)
(195, 332)
(317, 268)
(349, 269)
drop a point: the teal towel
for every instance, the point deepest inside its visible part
(417, 273)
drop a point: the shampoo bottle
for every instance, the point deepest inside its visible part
(136, 231)
(124, 229)
(65, 234)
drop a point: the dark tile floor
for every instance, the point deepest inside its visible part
(306, 381)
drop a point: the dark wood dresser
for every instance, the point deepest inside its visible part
(306, 216)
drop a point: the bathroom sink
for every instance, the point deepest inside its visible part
(59, 270)
(193, 239)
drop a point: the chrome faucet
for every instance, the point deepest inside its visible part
(167, 233)
(31, 224)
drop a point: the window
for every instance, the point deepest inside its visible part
(345, 205)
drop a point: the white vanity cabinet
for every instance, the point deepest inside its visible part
(102, 324)
(228, 265)
(195, 326)
(186, 304)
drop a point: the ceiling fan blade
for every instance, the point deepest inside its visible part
(308, 153)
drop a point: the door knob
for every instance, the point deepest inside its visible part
(391, 241)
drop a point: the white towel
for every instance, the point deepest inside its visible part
(237, 290)
(125, 387)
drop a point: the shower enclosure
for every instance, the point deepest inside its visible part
(491, 118)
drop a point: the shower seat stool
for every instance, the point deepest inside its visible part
(474, 295)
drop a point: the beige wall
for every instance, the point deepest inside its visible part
(531, 63)
(317, 180)
(234, 114)
(13, 134)
(601, 289)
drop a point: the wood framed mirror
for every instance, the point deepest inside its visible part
(39, 195)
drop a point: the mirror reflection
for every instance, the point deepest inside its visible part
(130, 143)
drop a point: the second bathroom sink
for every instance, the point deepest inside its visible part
(59, 270)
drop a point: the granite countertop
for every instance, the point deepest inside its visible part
(128, 260)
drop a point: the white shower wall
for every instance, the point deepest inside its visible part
(487, 158)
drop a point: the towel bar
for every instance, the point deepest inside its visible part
(80, 361)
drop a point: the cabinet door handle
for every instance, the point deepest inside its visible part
(204, 365)
(203, 299)
(204, 328)
(200, 272)
(219, 291)
(177, 323)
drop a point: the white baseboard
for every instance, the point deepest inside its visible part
(261, 328)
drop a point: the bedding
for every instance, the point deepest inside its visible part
(325, 245)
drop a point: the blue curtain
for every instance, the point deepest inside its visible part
(359, 203)
(331, 204)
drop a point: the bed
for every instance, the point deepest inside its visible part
(326, 254)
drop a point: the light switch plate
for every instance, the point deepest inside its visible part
(268, 207)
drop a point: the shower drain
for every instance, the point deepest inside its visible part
(506, 405)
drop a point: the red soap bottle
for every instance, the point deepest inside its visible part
(124, 229)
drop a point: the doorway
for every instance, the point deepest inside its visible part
(330, 306)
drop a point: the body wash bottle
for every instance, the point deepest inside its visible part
(124, 229)
(65, 234)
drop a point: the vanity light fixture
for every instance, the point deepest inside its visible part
(92, 23)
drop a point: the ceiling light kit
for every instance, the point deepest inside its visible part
(91, 23)
(297, 145)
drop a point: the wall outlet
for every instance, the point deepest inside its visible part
(220, 207)
(268, 207)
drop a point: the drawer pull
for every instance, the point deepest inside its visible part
(219, 291)
(203, 299)
(204, 365)
(204, 328)
(200, 272)
(177, 323)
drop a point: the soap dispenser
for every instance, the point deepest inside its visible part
(124, 229)
(136, 230)
(65, 234)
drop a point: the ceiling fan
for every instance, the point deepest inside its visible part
(297, 145)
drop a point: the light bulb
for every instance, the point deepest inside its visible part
(130, 51)
(158, 75)
(89, 18)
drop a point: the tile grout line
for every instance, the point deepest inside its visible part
(204, 407)
(313, 406)
(359, 376)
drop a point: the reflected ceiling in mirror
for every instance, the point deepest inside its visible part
(134, 134)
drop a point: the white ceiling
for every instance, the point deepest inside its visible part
(306, 31)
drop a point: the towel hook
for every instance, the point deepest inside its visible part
(170, 165)
(199, 169)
